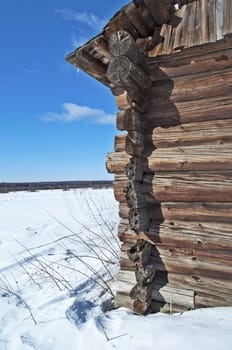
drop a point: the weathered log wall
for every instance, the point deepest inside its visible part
(174, 167)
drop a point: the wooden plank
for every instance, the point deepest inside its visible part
(217, 287)
(191, 234)
(216, 212)
(119, 143)
(120, 22)
(158, 11)
(191, 134)
(219, 19)
(123, 210)
(204, 22)
(82, 59)
(116, 162)
(192, 24)
(122, 101)
(196, 53)
(197, 24)
(137, 20)
(167, 39)
(227, 15)
(221, 258)
(192, 68)
(163, 307)
(185, 265)
(212, 26)
(186, 30)
(189, 187)
(206, 157)
(180, 28)
(123, 300)
(167, 114)
(169, 294)
(183, 89)
(207, 300)
(101, 46)
(120, 183)
(129, 120)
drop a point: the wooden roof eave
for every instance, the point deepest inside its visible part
(142, 19)
(83, 59)
(131, 19)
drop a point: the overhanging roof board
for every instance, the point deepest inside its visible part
(177, 24)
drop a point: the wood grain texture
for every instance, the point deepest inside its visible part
(189, 186)
(191, 134)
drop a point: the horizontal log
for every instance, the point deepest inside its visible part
(182, 89)
(137, 20)
(116, 162)
(124, 210)
(191, 68)
(123, 300)
(129, 120)
(198, 53)
(158, 11)
(163, 112)
(188, 187)
(122, 101)
(206, 157)
(189, 234)
(217, 287)
(208, 291)
(120, 143)
(220, 258)
(207, 300)
(187, 265)
(125, 281)
(178, 296)
(212, 256)
(131, 99)
(145, 13)
(211, 212)
(184, 265)
(181, 266)
(157, 306)
(191, 134)
(120, 184)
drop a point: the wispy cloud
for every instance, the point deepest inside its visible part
(78, 41)
(72, 112)
(89, 19)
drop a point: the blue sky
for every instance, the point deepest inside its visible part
(55, 123)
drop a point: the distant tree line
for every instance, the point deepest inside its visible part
(64, 185)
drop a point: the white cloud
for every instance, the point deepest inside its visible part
(90, 19)
(78, 41)
(73, 112)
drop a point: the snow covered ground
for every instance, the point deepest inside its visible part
(57, 258)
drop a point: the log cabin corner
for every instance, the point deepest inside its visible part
(169, 65)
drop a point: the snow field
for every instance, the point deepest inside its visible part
(58, 253)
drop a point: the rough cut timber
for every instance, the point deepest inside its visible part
(169, 64)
